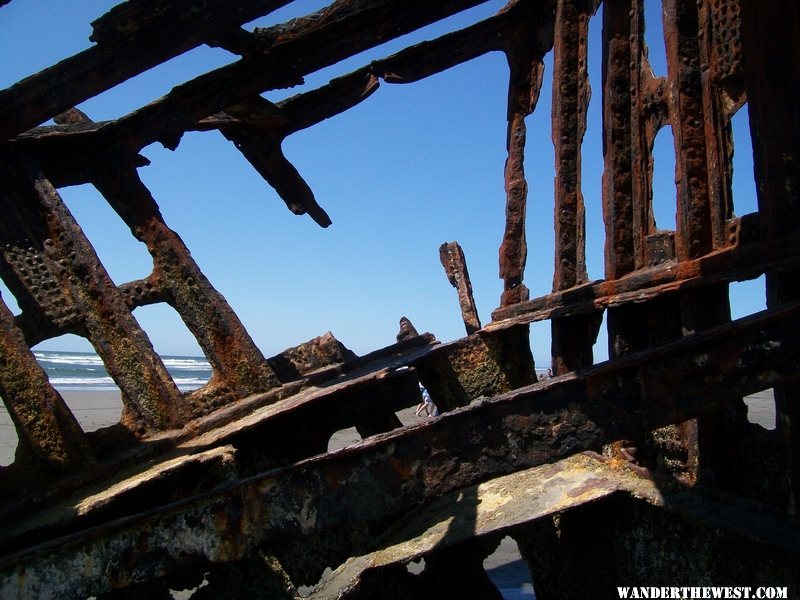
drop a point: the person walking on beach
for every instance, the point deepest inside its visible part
(427, 404)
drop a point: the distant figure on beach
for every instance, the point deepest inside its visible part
(427, 404)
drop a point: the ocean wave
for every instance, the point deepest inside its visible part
(190, 381)
(78, 381)
(107, 384)
(85, 360)
(94, 359)
(187, 364)
(85, 371)
(69, 359)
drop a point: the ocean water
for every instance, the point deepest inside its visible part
(76, 371)
(72, 373)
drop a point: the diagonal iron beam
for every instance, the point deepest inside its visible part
(291, 51)
(388, 474)
(309, 108)
(250, 115)
(132, 38)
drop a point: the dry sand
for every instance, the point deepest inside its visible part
(92, 409)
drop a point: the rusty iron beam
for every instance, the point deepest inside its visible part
(572, 338)
(50, 439)
(723, 95)
(747, 260)
(681, 25)
(309, 108)
(356, 386)
(634, 109)
(571, 93)
(621, 49)
(770, 47)
(422, 60)
(455, 267)
(30, 102)
(262, 428)
(142, 18)
(263, 150)
(289, 52)
(701, 131)
(257, 127)
(132, 38)
(509, 505)
(483, 364)
(526, 71)
(239, 367)
(55, 273)
(406, 66)
(492, 507)
(391, 473)
(265, 439)
(258, 134)
(143, 292)
(132, 489)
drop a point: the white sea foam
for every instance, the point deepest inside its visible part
(77, 381)
(185, 363)
(106, 383)
(85, 371)
(189, 383)
(171, 362)
(69, 359)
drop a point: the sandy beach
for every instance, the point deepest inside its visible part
(92, 409)
(95, 409)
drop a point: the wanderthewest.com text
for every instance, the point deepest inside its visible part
(689, 592)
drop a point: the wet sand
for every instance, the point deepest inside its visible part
(92, 409)
(761, 409)
(507, 570)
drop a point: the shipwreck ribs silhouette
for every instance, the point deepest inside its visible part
(641, 470)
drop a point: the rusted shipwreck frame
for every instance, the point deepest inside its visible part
(640, 471)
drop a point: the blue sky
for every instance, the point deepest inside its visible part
(408, 169)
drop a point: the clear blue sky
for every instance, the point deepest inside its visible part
(410, 168)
